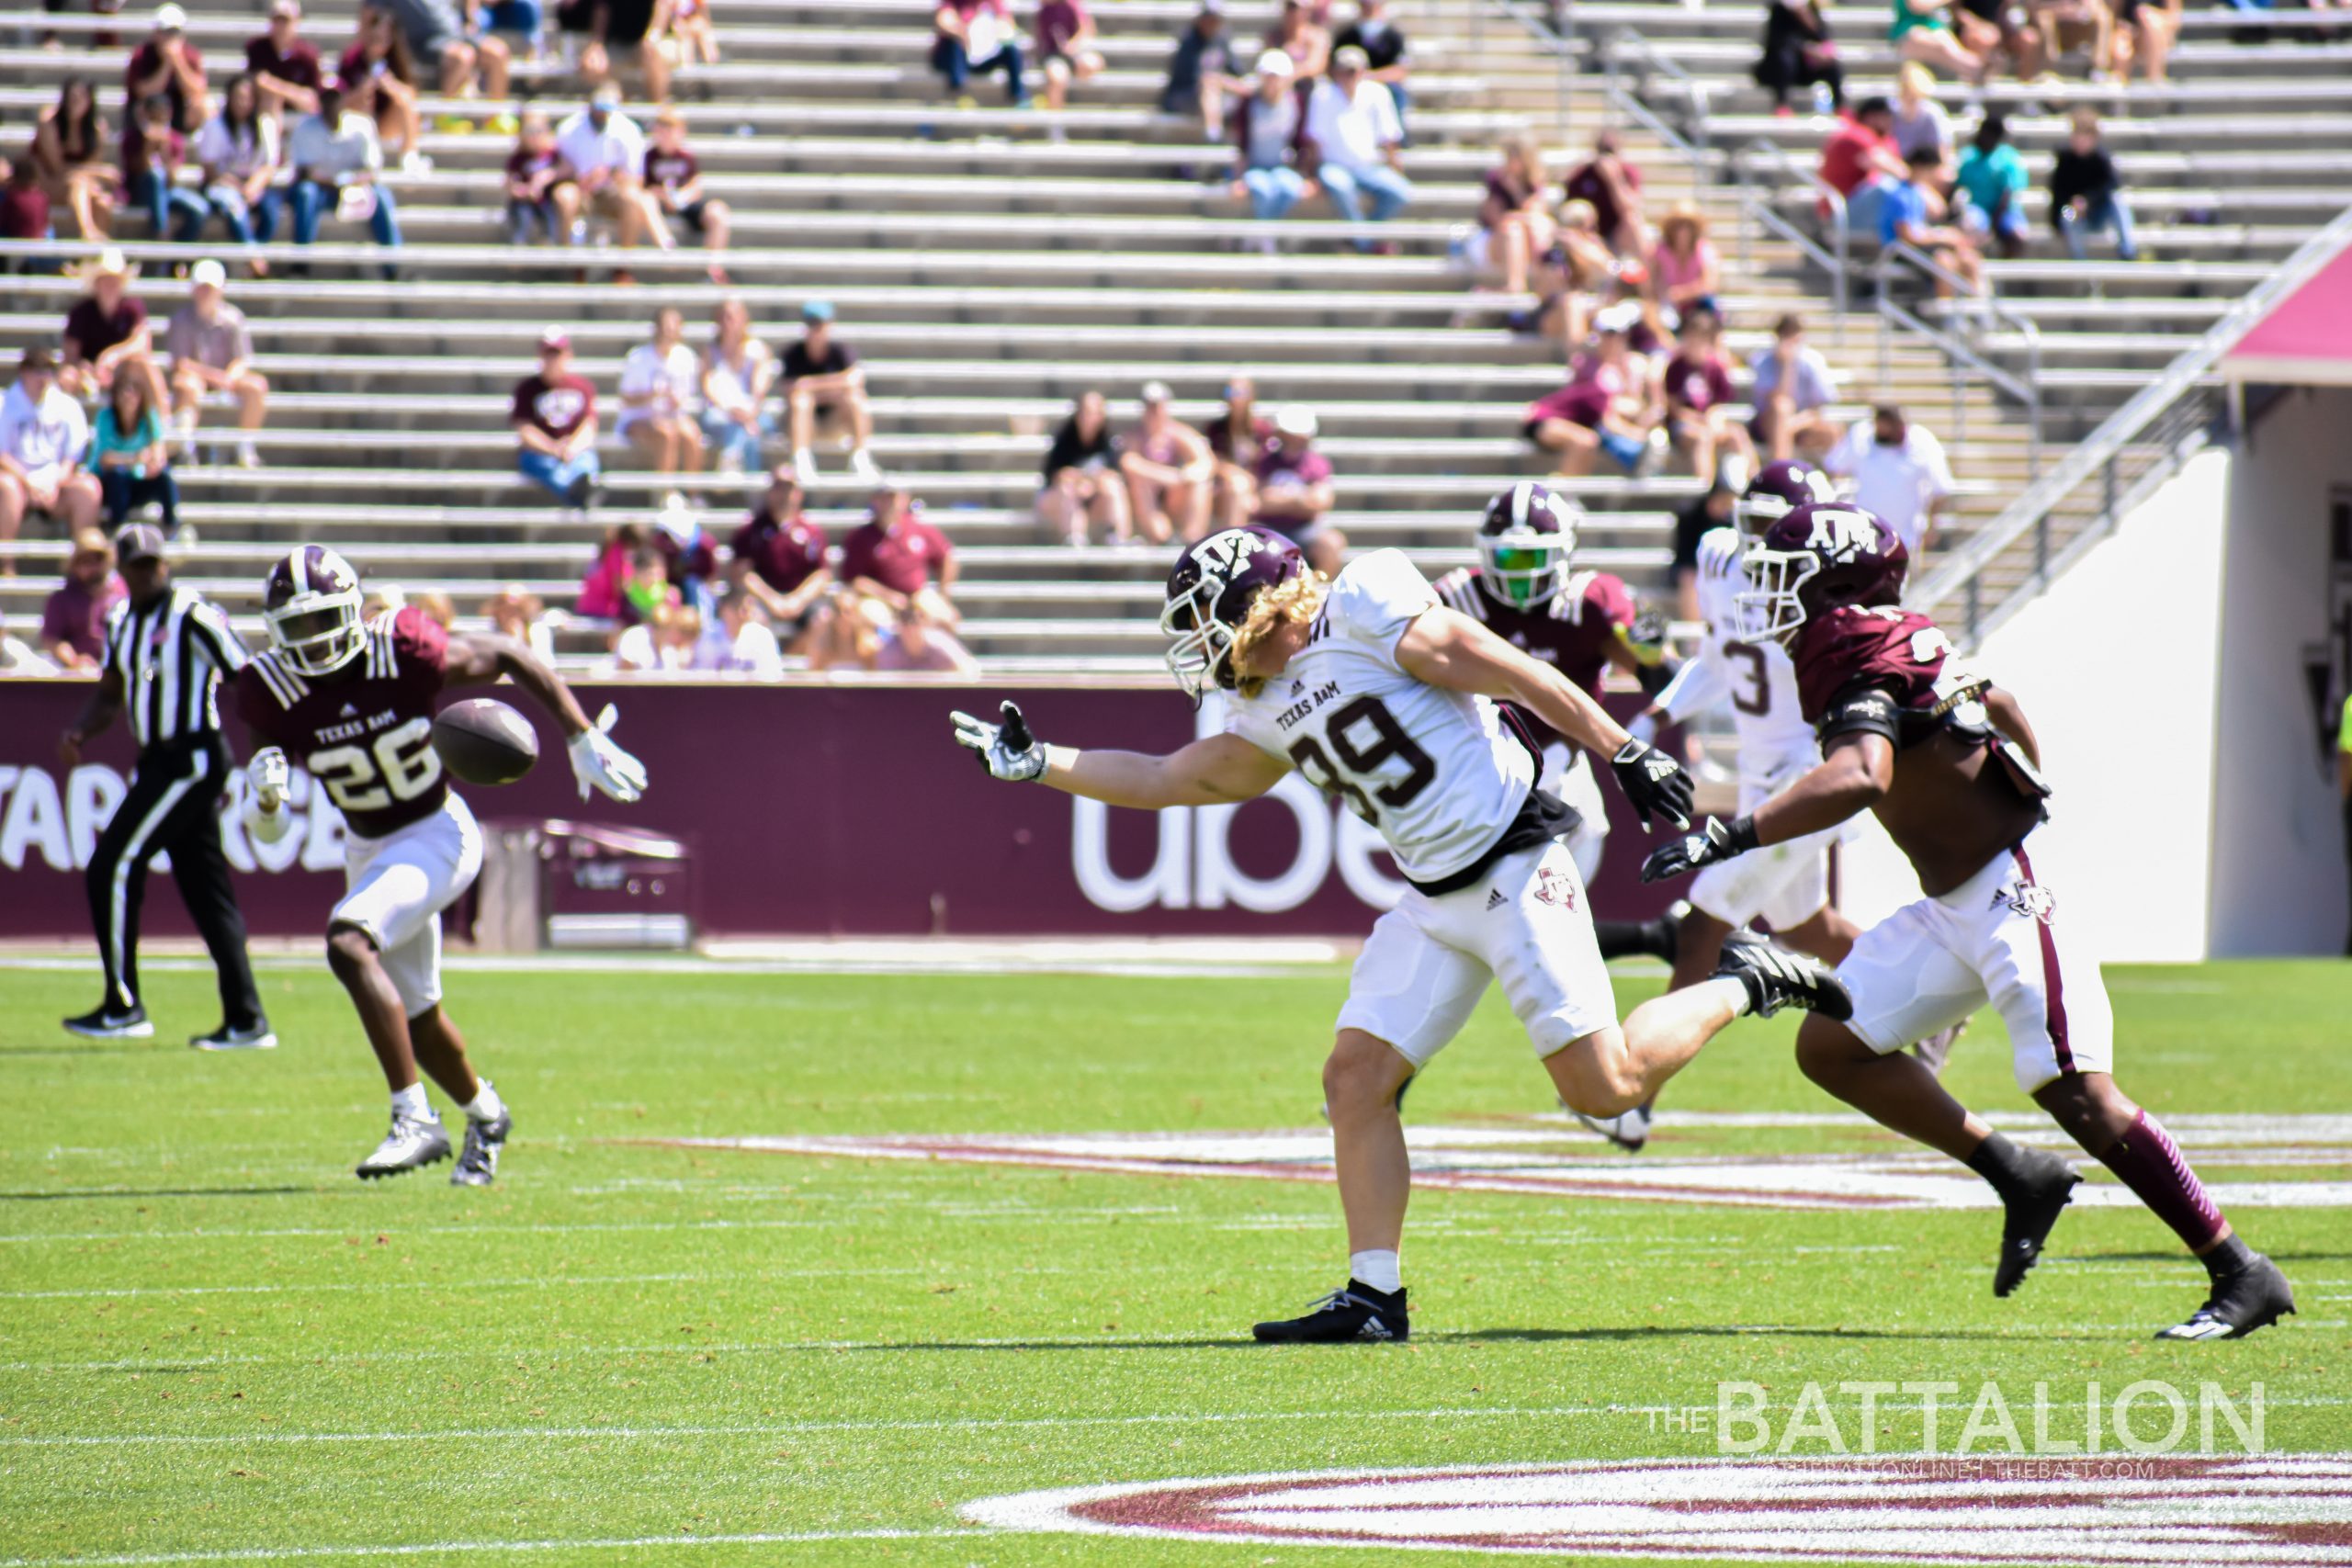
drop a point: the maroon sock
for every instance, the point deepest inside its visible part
(2150, 1163)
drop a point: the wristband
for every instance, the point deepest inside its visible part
(1739, 835)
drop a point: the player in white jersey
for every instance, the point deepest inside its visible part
(1383, 697)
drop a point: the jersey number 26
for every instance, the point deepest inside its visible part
(1388, 743)
(398, 765)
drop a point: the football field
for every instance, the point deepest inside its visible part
(960, 1268)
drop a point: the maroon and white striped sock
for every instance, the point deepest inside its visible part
(2147, 1161)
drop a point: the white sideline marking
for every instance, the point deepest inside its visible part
(434, 1548)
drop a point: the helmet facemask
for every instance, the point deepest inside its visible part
(318, 634)
(1769, 609)
(1200, 656)
(1526, 570)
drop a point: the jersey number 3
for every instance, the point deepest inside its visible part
(1389, 743)
(398, 765)
(1756, 699)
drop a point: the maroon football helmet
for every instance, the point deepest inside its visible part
(1813, 560)
(1778, 490)
(1524, 543)
(1209, 593)
(310, 603)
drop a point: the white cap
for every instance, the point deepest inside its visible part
(208, 274)
(1296, 419)
(170, 19)
(1156, 392)
(1622, 317)
(1275, 63)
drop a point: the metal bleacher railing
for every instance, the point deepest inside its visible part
(2139, 446)
(1977, 309)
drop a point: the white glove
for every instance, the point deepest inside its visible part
(597, 763)
(269, 775)
(1007, 751)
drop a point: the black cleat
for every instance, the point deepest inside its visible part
(2254, 1297)
(249, 1037)
(413, 1143)
(1356, 1311)
(1669, 930)
(2027, 1216)
(1776, 977)
(111, 1023)
(477, 1164)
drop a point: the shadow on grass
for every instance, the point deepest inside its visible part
(152, 1193)
(2180, 1257)
(1456, 1337)
(95, 1048)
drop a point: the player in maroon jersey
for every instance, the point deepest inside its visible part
(1948, 764)
(352, 702)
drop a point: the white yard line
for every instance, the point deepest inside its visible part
(452, 1547)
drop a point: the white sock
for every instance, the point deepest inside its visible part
(410, 1102)
(1378, 1270)
(1731, 989)
(486, 1106)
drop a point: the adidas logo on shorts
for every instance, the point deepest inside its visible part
(1495, 899)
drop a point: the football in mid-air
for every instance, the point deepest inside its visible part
(483, 742)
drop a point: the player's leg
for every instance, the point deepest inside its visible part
(441, 1054)
(1572, 776)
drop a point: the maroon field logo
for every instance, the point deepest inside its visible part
(2278, 1510)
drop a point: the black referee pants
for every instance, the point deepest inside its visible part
(173, 806)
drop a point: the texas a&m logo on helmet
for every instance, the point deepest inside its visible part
(1209, 593)
(1778, 490)
(1812, 561)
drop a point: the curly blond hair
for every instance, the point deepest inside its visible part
(1293, 603)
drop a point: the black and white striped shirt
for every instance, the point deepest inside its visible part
(172, 656)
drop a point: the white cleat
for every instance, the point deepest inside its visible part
(1628, 1130)
(413, 1143)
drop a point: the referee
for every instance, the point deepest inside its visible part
(167, 651)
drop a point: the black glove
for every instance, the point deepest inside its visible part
(1652, 781)
(1007, 751)
(1716, 839)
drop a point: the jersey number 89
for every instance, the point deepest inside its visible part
(398, 765)
(1388, 742)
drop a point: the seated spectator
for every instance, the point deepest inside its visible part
(435, 606)
(1861, 150)
(167, 65)
(919, 642)
(895, 558)
(1292, 483)
(73, 618)
(972, 38)
(462, 61)
(24, 207)
(2067, 26)
(43, 437)
(17, 657)
(1202, 70)
(152, 154)
(1699, 397)
(555, 425)
(107, 332)
(69, 152)
(1515, 214)
(1235, 436)
(1383, 42)
(689, 555)
(1356, 143)
(538, 194)
(128, 454)
(238, 149)
(1299, 33)
(1570, 276)
(1799, 52)
(1609, 405)
(615, 35)
(284, 65)
(692, 36)
(518, 614)
(379, 77)
(1696, 518)
(1083, 482)
(2002, 27)
(779, 558)
(1168, 471)
(2144, 30)
(602, 154)
(737, 641)
(1613, 187)
(737, 373)
(824, 385)
(1910, 216)
(605, 587)
(663, 637)
(2087, 194)
(1991, 178)
(1268, 135)
(1899, 471)
(1065, 52)
(674, 179)
(1790, 392)
(1685, 271)
(1922, 30)
(335, 158)
(1919, 123)
(660, 381)
(212, 353)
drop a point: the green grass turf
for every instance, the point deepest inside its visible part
(622, 1340)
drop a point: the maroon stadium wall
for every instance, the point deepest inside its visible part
(812, 810)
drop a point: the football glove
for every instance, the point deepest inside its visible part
(598, 764)
(1007, 751)
(269, 775)
(1654, 782)
(1715, 840)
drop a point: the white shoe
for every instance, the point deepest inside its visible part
(413, 1143)
(415, 162)
(804, 467)
(247, 456)
(1629, 1129)
(862, 464)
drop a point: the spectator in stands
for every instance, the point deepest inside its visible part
(603, 156)
(378, 76)
(69, 150)
(1922, 30)
(919, 642)
(1292, 484)
(1613, 187)
(1919, 123)
(1083, 482)
(168, 65)
(689, 555)
(24, 211)
(1066, 53)
(128, 454)
(44, 435)
(537, 193)
(1515, 213)
(2144, 30)
(674, 179)
(519, 613)
(1992, 180)
(2087, 194)
(737, 373)
(605, 587)
(737, 640)
(1268, 135)
(665, 635)
(1861, 150)
(284, 65)
(661, 384)
(972, 38)
(1799, 52)
(824, 384)
(1698, 515)
(692, 36)
(237, 148)
(439, 38)
(1911, 214)
(17, 657)
(1571, 273)
(1168, 471)
(1790, 392)
(1685, 271)
(554, 419)
(73, 618)
(1202, 70)
(1698, 399)
(212, 355)
(1609, 404)
(1383, 42)
(1235, 436)
(894, 558)
(1356, 143)
(335, 158)
(152, 154)
(618, 33)
(2065, 26)
(1899, 471)
(778, 556)
(107, 334)
(1298, 33)
(2002, 27)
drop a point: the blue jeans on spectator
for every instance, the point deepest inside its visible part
(2107, 211)
(162, 198)
(1350, 189)
(522, 215)
(122, 492)
(947, 58)
(558, 475)
(248, 224)
(313, 200)
(724, 437)
(1274, 192)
